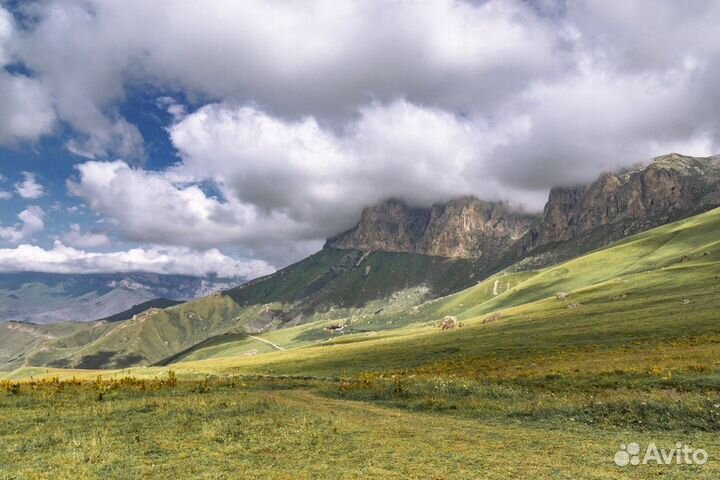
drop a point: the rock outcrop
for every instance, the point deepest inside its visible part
(390, 226)
(671, 187)
(463, 228)
(470, 228)
(615, 205)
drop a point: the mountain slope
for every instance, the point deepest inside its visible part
(636, 311)
(156, 303)
(656, 290)
(329, 284)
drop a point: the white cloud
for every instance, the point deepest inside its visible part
(26, 108)
(281, 182)
(7, 28)
(325, 106)
(152, 207)
(181, 261)
(596, 121)
(26, 111)
(29, 188)
(31, 222)
(302, 168)
(328, 59)
(322, 57)
(75, 237)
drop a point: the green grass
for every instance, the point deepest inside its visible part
(363, 428)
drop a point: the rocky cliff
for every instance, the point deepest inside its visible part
(671, 187)
(464, 227)
(613, 206)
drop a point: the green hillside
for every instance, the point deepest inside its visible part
(634, 290)
(656, 278)
(330, 284)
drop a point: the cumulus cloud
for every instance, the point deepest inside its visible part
(29, 188)
(26, 109)
(325, 106)
(75, 237)
(156, 207)
(330, 59)
(181, 261)
(280, 181)
(31, 222)
(322, 58)
(594, 122)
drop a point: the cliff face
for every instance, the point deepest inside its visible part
(390, 226)
(464, 227)
(471, 228)
(671, 187)
(614, 206)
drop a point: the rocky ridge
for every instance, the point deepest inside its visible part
(460, 228)
(615, 205)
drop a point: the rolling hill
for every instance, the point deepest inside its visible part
(654, 278)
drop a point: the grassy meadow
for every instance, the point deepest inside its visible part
(532, 385)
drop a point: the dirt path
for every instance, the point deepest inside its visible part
(268, 342)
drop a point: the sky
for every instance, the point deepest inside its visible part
(231, 138)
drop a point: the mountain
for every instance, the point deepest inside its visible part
(48, 298)
(397, 258)
(648, 298)
(575, 219)
(331, 284)
(671, 187)
(461, 228)
(616, 312)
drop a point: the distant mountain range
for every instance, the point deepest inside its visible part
(396, 258)
(43, 298)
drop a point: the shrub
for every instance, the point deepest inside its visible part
(172, 379)
(13, 388)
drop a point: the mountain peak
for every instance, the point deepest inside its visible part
(464, 227)
(670, 187)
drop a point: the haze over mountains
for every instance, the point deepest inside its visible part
(38, 297)
(395, 258)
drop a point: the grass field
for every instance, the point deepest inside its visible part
(531, 386)
(367, 428)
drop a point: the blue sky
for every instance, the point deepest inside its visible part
(53, 164)
(233, 139)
